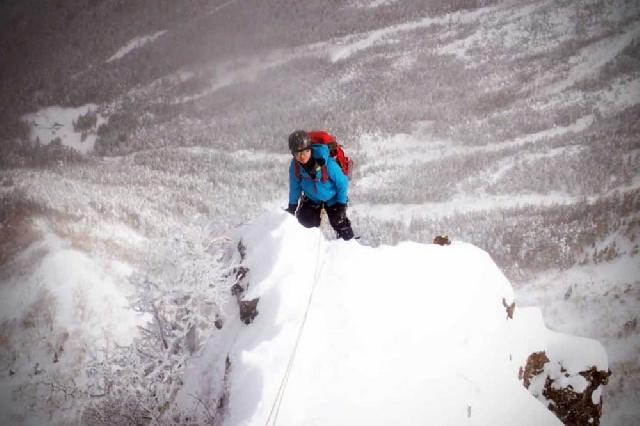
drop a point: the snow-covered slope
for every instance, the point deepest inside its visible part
(408, 334)
(60, 313)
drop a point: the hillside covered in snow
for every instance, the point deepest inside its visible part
(307, 331)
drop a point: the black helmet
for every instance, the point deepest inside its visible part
(299, 141)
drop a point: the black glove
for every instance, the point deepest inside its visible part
(338, 211)
(339, 221)
(346, 233)
(292, 209)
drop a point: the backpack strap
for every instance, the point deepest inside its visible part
(296, 171)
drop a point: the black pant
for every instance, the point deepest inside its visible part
(308, 215)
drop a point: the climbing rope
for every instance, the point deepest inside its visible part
(277, 403)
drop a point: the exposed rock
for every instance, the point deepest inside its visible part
(567, 294)
(222, 401)
(218, 323)
(237, 289)
(571, 407)
(578, 408)
(241, 272)
(240, 284)
(242, 249)
(248, 310)
(510, 308)
(535, 365)
(442, 240)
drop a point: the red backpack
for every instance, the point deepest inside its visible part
(320, 137)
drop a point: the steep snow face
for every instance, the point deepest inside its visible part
(403, 335)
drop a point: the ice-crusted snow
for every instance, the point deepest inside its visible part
(406, 334)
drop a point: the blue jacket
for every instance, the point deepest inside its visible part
(334, 190)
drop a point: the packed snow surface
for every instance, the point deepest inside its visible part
(410, 334)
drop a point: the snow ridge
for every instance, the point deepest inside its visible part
(409, 334)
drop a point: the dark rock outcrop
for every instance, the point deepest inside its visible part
(571, 407)
(510, 308)
(248, 308)
(442, 240)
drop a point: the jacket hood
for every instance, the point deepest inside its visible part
(320, 151)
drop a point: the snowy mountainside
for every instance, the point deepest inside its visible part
(351, 334)
(137, 133)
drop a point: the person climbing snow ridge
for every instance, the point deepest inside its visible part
(316, 182)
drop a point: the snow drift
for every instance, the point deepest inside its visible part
(411, 334)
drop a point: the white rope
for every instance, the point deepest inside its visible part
(217, 240)
(277, 403)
